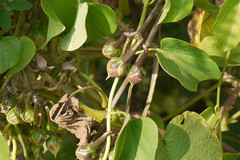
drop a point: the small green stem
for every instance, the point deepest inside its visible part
(92, 82)
(19, 23)
(14, 149)
(189, 104)
(5, 83)
(129, 98)
(217, 107)
(144, 11)
(21, 142)
(120, 112)
(108, 123)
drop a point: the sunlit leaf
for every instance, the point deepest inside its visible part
(4, 149)
(188, 137)
(210, 45)
(5, 19)
(211, 117)
(26, 54)
(138, 140)
(226, 28)
(77, 34)
(10, 48)
(206, 5)
(19, 5)
(186, 63)
(174, 11)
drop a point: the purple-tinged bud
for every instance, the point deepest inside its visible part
(85, 152)
(54, 144)
(110, 51)
(13, 117)
(38, 137)
(116, 67)
(27, 115)
(136, 74)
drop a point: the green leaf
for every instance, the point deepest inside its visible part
(19, 5)
(174, 11)
(55, 26)
(206, 5)
(186, 63)
(138, 140)
(210, 45)
(77, 34)
(5, 19)
(4, 151)
(188, 137)
(25, 56)
(101, 21)
(211, 117)
(226, 28)
(10, 48)
(230, 156)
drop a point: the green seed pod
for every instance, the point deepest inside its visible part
(13, 117)
(116, 67)
(54, 144)
(110, 51)
(37, 150)
(136, 74)
(27, 115)
(85, 153)
(38, 137)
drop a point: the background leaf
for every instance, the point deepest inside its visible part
(210, 45)
(226, 28)
(5, 19)
(4, 151)
(206, 5)
(101, 21)
(55, 26)
(19, 5)
(186, 63)
(10, 48)
(176, 10)
(138, 140)
(77, 34)
(188, 137)
(25, 56)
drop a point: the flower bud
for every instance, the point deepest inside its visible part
(37, 150)
(85, 153)
(136, 74)
(13, 117)
(38, 137)
(116, 67)
(110, 51)
(27, 115)
(54, 144)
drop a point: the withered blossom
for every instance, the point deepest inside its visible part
(67, 114)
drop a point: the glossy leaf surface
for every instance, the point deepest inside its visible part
(206, 5)
(186, 63)
(138, 140)
(226, 28)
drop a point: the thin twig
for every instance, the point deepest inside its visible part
(119, 92)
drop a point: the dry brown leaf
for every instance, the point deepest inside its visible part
(66, 114)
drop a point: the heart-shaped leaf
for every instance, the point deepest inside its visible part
(210, 45)
(5, 19)
(188, 137)
(226, 28)
(77, 34)
(206, 5)
(10, 48)
(26, 54)
(19, 5)
(138, 140)
(101, 21)
(4, 151)
(174, 11)
(186, 63)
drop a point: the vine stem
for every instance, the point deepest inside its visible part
(109, 110)
(152, 86)
(21, 142)
(128, 104)
(217, 107)
(19, 23)
(144, 12)
(119, 92)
